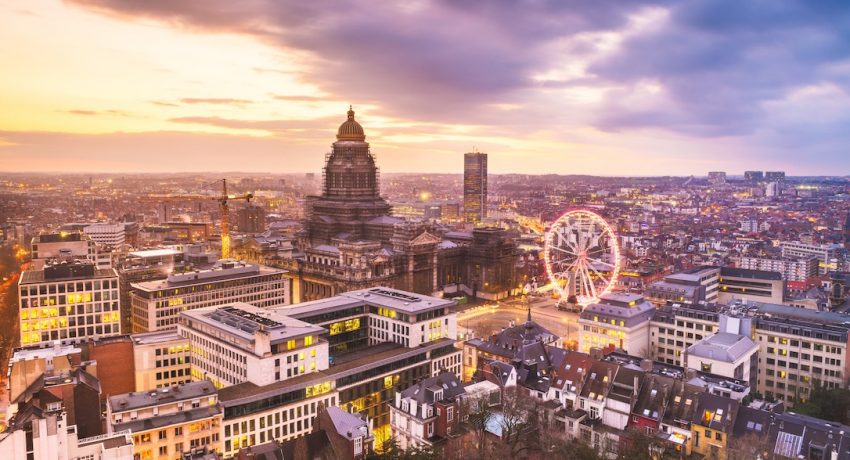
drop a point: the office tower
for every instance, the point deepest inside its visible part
(70, 301)
(753, 176)
(156, 304)
(251, 219)
(474, 187)
(717, 177)
(774, 176)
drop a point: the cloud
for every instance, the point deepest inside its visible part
(326, 124)
(695, 69)
(215, 100)
(164, 104)
(86, 112)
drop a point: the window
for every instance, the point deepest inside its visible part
(450, 413)
(358, 445)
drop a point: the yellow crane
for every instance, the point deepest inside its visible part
(224, 210)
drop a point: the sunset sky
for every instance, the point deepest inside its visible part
(592, 87)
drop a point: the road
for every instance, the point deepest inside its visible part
(488, 319)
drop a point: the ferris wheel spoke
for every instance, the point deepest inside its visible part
(592, 284)
(565, 251)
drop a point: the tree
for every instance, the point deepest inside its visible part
(478, 415)
(748, 447)
(636, 445)
(830, 404)
(390, 450)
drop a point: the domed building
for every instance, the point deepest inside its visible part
(350, 199)
(351, 241)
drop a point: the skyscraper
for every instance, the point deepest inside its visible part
(475, 187)
(251, 219)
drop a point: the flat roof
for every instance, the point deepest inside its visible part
(155, 253)
(245, 320)
(24, 354)
(37, 276)
(750, 274)
(150, 338)
(208, 276)
(403, 301)
(139, 399)
(723, 346)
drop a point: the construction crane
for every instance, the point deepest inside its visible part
(224, 210)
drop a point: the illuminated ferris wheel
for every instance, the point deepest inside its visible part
(582, 256)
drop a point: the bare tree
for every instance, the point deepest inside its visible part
(478, 414)
(749, 446)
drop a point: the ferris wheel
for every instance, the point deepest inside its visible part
(582, 256)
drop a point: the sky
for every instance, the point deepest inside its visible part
(604, 87)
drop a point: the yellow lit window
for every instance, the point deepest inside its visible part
(308, 340)
(290, 345)
(313, 353)
(301, 355)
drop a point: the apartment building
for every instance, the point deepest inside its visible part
(617, 321)
(70, 301)
(791, 269)
(428, 412)
(167, 422)
(156, 304)
(162, 359)
(239, 343)
(829, 256)
(677, 326)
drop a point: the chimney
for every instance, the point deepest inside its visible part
(596, 353)
(637, 385)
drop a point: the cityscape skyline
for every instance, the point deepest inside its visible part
(566, 90)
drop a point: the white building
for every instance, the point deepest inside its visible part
(70, 301)
(724, 354)
(62, 246)
(156, 305)
(106, 234)
(162, 359)
(47, 437)
(619, 321)
(241, 343)
(828, 255)
(791, 269)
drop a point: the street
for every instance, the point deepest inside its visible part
(491, 318)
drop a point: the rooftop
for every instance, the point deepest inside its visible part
(403, 301)
(245, 320)
(749, 274)
(723, 346)
(223, 270)
(141, 399)
(150, 338)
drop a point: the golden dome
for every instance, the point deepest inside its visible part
(350, 130)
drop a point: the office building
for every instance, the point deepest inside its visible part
(70, 301)
(106, 234)
(755, 285)
(617, 321)
(251, 219)
(156, 304)
(829, 255)
(366, 344)
(239, 343)
(168, 422)
(62, 246)
(754, 176)
(162, 359)
(775, 176)
(474, 187)
(717, 178)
